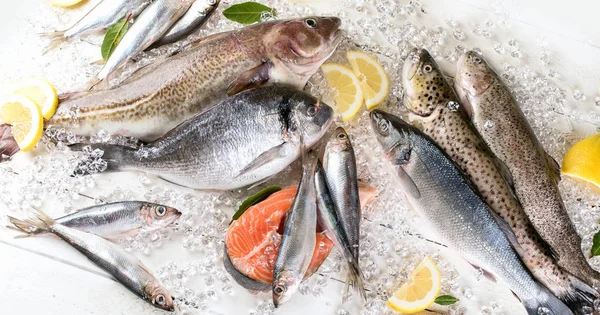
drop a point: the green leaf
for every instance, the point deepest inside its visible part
(247, 12)
(254, 199)
(113, 36)
(596, 244)
(445, 300)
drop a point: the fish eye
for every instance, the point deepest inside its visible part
(279, 289)
(341, 136)
(312, 23)
(312, 110)
(161, 211)
(427, 68)
(160, 299)
(476, 60)
(384, 127)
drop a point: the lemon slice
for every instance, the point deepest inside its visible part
(419, 291)
(24, 117)
(41, 92)
(374, 81)
(582, 162)
(346, 89)
(65, 3)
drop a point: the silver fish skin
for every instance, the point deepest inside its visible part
(112, 220)
(193, 19)
(243, 140)
(299, 239)
(436, 188)
(151, 25)
(123, 266)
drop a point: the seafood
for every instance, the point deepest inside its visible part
(436, 188)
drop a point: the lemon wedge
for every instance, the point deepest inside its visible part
(374, 81)
(24, 117)
(65, 3)
(582, 162)
(41, 92)
(345, 86)
(420, 291)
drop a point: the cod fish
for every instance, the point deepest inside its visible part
(112, 220)
(160, 96)
(534, 174)
(434, 106)
(242, 140)
(103, 15)
(121, 265)
(193, 19)
(436, 188)
(298, 240)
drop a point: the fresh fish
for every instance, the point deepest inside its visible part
(123, 266)
(151, 25)
(434, 107)
(103, 15)
(112, 220)
(193, 19)
(534, 174)
(298, 240)
(334, 228)
(160, 96)
(342, 181)
(436, 188)
(242, 140)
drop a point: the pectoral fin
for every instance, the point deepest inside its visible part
(505, 172)
(265, 158)
(252, 78)
(510, 235)
(409, 186)
(554, 168)
(485, 273)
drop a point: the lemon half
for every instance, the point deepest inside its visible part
(582, 162)
(345, 86)
(41, 92)
(373, 80)
(420, 291)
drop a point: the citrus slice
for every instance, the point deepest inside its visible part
(345, 86)
(419, 291)
(582, 162)
(24, 117)
(374, 81)
(65, 3)
(41, 92)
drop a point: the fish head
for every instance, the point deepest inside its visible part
(310, 117)
(158, 296)
(394, 136)
(473, 74)
(284, 286)
(339, 141)
(156, 216)
(425, 86)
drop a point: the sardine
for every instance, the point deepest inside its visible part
(242, 140)
(151, 25)
(121, 265)
(193, 19)
(112, 220)
(435, 108)
(298, 240)
(162, 95)
(534, 174)
(436, 188)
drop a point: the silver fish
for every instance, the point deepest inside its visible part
(299, 239)
(242, 140)
(123, 266)
(436, 188)
(112, 220)
(193, 19)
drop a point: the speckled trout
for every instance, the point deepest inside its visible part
(534, 174)
(160, 96)
(434, 108)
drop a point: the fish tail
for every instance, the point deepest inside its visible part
(543, 301)
(355, 280)
(580, 296)
(56, 39)
(22, 226)
(39, 222)
(116, 156)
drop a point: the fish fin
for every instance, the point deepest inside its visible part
(56, 39)
(554, 168)
(354, 280)
(510, 235)
(91, 84)
(484, 272)
(69, 96)
(265, 157)
(23, 226)
(579, 295)
(40, 222)
(544, 299)
(252, 78)
(8, 144)
(198, 42)
(410, 188)
(505, 172)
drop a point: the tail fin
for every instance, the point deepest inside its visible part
(23, 226)
(354, 280)
(116, 156)
(544, 302)
(56, 39)
(580, 298)
(39, 223)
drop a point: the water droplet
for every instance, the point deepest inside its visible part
(543, 311)
(578, 95)
(516, 54)
(451, 23)
(489, 124)
(499, 48)
(597, 100)
(452, 106)
(458, 34)
(513, 42)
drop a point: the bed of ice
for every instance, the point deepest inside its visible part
(187, 258)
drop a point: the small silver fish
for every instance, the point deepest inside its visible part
(112, 220)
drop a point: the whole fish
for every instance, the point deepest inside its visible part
(121, 265)
(329, 220)
(242, 140)
(103, 15)
(534, 174)
(193, 19)
(434, 106)
(436, 188)
(112, 220)
(160, 96)
(298, 240)
(151, 25)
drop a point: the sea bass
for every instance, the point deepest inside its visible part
(434, 107)
(158, 97)
(534, 174)
(112, 220)
(121, 265)
(436, 188)
(242, 140)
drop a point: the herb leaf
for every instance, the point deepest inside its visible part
(445, 300)
(247, 12)
(113, 36)
(596, 244)
(254, 199)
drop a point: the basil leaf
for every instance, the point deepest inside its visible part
(247, 12)
(254, 199)
(596, 244)
(113, 36)
(445, 300)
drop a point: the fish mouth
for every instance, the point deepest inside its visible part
(411, 64)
